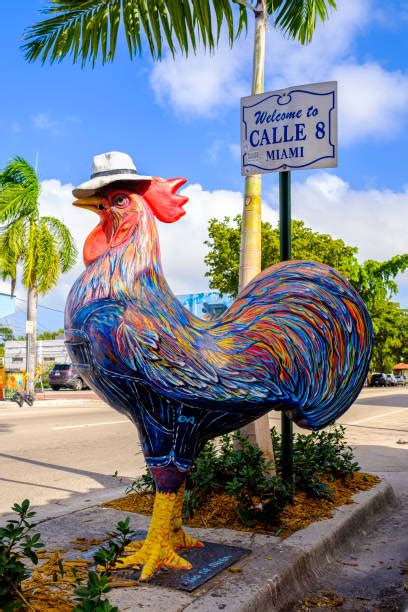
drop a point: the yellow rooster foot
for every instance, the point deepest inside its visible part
(181, 539)
(153, 557)
(165, 536)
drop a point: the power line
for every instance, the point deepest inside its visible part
(48, 308)
(39, 305)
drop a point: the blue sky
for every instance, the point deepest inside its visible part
(182, 119)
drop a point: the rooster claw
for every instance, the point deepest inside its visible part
(153, 558)
(182, 540)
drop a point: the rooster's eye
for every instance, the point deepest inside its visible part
(120, 200)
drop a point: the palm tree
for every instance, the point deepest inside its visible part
(87, 30)
(42, 246)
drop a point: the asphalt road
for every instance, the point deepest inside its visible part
(59, 449)
(73, 444)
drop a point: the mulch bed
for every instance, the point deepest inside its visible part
(220, 509)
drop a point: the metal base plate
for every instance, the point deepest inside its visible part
(207, 562)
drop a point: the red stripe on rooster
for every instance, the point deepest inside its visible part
(297, 339)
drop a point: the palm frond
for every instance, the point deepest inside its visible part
(16, 203)
(20, 171)
(11, 249)
(298, 18)
(19, 190)
(64, 242)
(47, 267)
(44, 246)
(88, 29)
(30, 255)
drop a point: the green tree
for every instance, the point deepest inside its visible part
(223, 256)
(376, 279)
(47, 335)
(6, 333)
(376, 285)
(390, 323)
(42, 246)
(87, 31)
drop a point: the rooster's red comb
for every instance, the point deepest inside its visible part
(161, 195)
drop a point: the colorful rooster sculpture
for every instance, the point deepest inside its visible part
(298, 338)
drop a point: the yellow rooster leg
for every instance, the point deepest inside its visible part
(179, 538)
(158, 549)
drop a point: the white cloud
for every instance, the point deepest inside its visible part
(43, 121)
(182, 243)
(201, 83)
(372, 100)
(235, 150)
(289, 63)
(56, 201)
(373, 220)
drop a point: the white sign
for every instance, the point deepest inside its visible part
(290, 129)
(29, 327)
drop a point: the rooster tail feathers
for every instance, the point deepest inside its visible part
(162, 197)
(314, 334)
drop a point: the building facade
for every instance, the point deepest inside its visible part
(48, 351)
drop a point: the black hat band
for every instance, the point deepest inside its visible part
(112, 172)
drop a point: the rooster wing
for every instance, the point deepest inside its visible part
(298, 337)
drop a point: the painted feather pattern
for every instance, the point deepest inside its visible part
(298, 338)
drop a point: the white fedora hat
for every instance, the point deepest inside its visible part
(108, 168)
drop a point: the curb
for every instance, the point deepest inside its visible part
(298, 560)
(274, 575)
(81, 501)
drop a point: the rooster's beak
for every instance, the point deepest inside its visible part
(92, 203)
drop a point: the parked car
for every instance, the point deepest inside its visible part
(401, 380)
(391, 380)
(65, 375)
(378, 379)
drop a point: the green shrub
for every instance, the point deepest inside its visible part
(17, 546)
(90, 596)
(316, 456)
(242, 471)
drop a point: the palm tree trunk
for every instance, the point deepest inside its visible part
(31, 337)
(250, 254)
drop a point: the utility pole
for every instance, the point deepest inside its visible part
(257, 432)
(31, 329)
(31, 335)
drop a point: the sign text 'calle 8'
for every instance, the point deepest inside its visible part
(290, 129)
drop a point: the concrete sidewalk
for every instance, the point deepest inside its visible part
(274, 574)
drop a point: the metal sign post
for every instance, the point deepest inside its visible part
(285, 237)
(289, 129)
